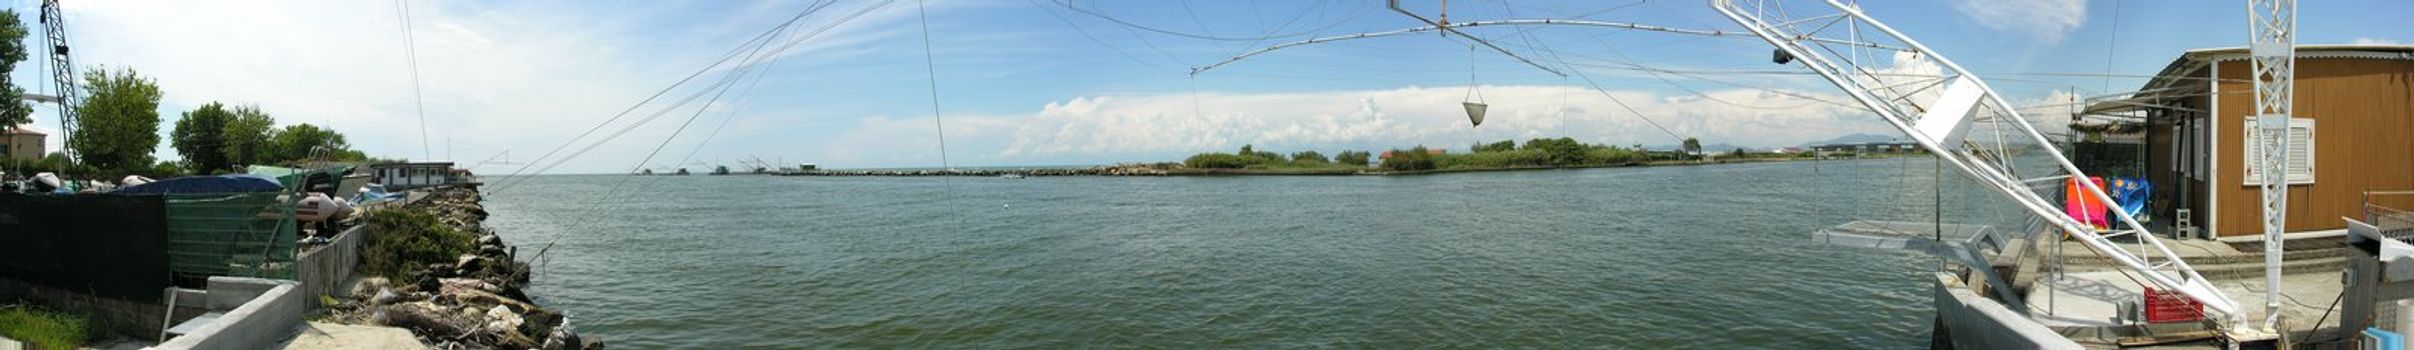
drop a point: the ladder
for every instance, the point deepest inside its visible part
(1939, 105)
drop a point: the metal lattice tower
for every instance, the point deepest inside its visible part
(62, 72)
(2274, 27)
(1954, 115)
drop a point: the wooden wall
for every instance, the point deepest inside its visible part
(2364, 140)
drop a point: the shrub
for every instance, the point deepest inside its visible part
(1417, 158)
(403, 240)
(1357, 158)
(43, 330)
(1217, 161)
(1309, 157)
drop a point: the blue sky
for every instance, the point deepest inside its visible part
(1034, 82)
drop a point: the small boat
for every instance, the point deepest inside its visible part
(1010, 176)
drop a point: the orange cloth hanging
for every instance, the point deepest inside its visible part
(2083, 207)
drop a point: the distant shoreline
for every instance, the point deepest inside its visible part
(1169, 169)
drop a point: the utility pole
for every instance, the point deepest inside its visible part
(2273, 24)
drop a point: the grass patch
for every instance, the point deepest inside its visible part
(403, 240)
(42, 329)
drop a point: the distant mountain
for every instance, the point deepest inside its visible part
(1858, 138)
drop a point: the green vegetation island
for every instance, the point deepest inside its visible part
(1534, 154)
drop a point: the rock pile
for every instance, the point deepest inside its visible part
(474, 302)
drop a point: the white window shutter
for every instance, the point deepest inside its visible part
(2300, 152)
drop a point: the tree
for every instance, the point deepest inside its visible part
(1417, 158)
(1502, 146)
(1357, 158)
(199, 136)
(302, 141)
(1561, 151)
(1693, 146)
(1309, 157)
(119, 125)
(13, 111)
(246, 136)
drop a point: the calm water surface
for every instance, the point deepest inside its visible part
(1686, 257)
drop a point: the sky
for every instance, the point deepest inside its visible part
(1068, 82)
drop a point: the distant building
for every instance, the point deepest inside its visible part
(404, 176)
(1786, 150)
(22, 144)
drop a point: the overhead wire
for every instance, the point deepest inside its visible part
(734, 52)
(754, 64)
(930, 65)
(410, 47)
(1132, 25)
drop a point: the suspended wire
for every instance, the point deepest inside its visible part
(1129, 24)
(734, 53)
(2112, 44)
(930, 65)
(1085, 34)
(753, 64)
(410, 47)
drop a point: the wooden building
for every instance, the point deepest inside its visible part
(2353, 132)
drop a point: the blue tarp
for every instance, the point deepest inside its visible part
(2129, 194)
(230, 183)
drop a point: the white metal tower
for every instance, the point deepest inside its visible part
(1953, 114)
(2274, 27)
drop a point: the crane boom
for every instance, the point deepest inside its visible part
(62, 72)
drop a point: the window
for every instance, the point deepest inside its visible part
(2300, 152)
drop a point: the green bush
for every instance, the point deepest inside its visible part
(1357, 158)
(1309, 157)
(1217, 161)
(403, 240)
(43, 330)
(1416, 158)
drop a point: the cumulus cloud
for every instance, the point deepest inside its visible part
(2044, 20)
(1136, 127)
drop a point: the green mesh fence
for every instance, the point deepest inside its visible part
(231, 234)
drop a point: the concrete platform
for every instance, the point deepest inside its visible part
(332, 336)
(2086, 305)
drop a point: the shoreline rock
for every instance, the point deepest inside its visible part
(475, 301)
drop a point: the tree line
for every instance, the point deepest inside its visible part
(1533, 153)
(118, 127)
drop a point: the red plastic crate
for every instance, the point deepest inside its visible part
(2169, 307)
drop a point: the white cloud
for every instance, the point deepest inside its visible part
(2045, 20)
(2376, 41)
(496, 76)
(1149, 127)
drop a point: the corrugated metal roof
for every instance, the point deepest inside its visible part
(2185, 68)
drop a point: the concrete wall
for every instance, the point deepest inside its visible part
(264, 313)
(329, 269)
(22, 146)
(1973, 322)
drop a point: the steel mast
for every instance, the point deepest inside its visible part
(2273, 25)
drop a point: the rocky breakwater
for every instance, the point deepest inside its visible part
(452, 281)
